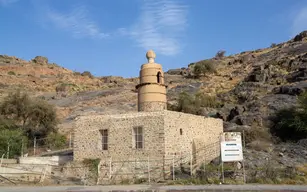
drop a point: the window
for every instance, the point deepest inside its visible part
(159, 77)
(138, 137)
(104, 134)
(180, 131)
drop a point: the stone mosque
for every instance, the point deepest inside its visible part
(152, 132)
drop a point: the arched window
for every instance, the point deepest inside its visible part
(159, 77)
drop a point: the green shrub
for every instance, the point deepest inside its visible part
(63, 87)
(203, 67)
(256, 133)
(193, 104)
(92, 164)
(56, 140)
(11, 73)
(291, 124)
(12, 140)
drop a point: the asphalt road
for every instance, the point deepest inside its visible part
(221, 188)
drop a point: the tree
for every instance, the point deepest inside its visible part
(34, 116)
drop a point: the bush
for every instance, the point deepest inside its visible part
(193, 104)
(203, 68)
(220, 54)
(56, 140)
(11, 73)
(273, 45)
(92, 164)
(62, 88)
(256, 133)
(291, 124)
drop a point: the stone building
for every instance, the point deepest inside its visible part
(153, 133)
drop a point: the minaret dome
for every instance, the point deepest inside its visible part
(151, 88)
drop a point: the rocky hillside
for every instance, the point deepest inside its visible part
(250, 85)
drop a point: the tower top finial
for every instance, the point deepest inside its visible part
(150, 55)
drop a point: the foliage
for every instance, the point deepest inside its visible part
(92, 164)
(257, 133)
(203, 67)
(55, 140)
(35, 116)
(7, 124)
(61, 87)
(193, 104)
(273, 45)
(220, 54)
(291, 124)
(12, 139)
(11, 73)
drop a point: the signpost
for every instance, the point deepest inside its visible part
(231, 149)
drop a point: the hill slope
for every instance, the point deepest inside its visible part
(251, 86)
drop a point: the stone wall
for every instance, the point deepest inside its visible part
(25, 172)
(152, 106)
(88, 140)
(53, 160)
(186, 133)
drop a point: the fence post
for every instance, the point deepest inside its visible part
(148, 168)
(21, 147)
(173, 167)
(205, 155)
(110, 168)
(34, 150)
(223, 180)
(8, 150)
(243, 138)
(70, 140)
(244, 176)
(98, 172)
(191, 160)
(2, 159)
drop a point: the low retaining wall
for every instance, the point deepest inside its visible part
(25, 172)
(53, 160)
(9, 161)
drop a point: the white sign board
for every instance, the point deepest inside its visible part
(231, 147)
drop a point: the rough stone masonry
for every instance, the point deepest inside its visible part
(152, 134)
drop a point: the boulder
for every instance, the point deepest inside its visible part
(295, 89)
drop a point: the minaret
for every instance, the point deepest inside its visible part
(151, 89)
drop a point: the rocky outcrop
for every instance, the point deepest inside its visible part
(300, 36)
(40, 60)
